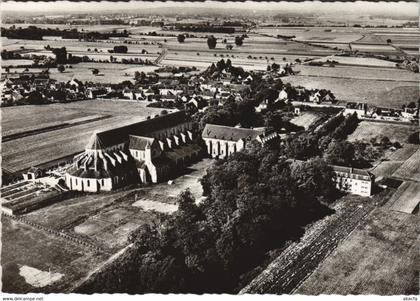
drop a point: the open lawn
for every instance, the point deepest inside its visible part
(379, 257)
(367, 130)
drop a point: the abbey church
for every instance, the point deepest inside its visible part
(149, 151)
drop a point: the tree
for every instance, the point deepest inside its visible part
(211, 42)
(35, 97)
(411, 105)
(239, 40)
(385, 141)
(95, 71)
(340, 152)
(60, 55)
(61, 68)
(315, 179)
(181, 38)
(389, 41)
(229, 47)
(120, 49)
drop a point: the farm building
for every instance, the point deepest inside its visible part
(353, 180)
(222, 141)
(147, 151)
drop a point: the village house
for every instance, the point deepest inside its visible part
(95, 92)
(410, 113)
(223, 141)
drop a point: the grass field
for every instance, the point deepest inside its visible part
(32, 150)
(374, 92)
(379, 257)
(395, 132)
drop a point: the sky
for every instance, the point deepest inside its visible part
(358, 7)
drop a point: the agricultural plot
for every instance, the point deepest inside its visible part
(403, 153)
(321, 35)
(373, 92)
(393, 161)
(378, 258)
(406, 198)
(108, 73)
(37, 149)
(285, 273)
(367, 130)
(76, 46)
(386, 169)
(382, 49)
(411, 168)
(358, 61)
(16, 63)
(100, 28)
(383, 74)
(23, 118)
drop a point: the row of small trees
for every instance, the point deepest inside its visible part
(212, 41)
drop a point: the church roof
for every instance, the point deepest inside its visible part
(139, 142)
(95, 142)
(144, 128)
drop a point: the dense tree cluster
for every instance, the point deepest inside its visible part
(120, 49)
(60, 55)
(36, 33)
(204, 28)
(232, 113)
(328, 142)
(181, 38)
(256, 201)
